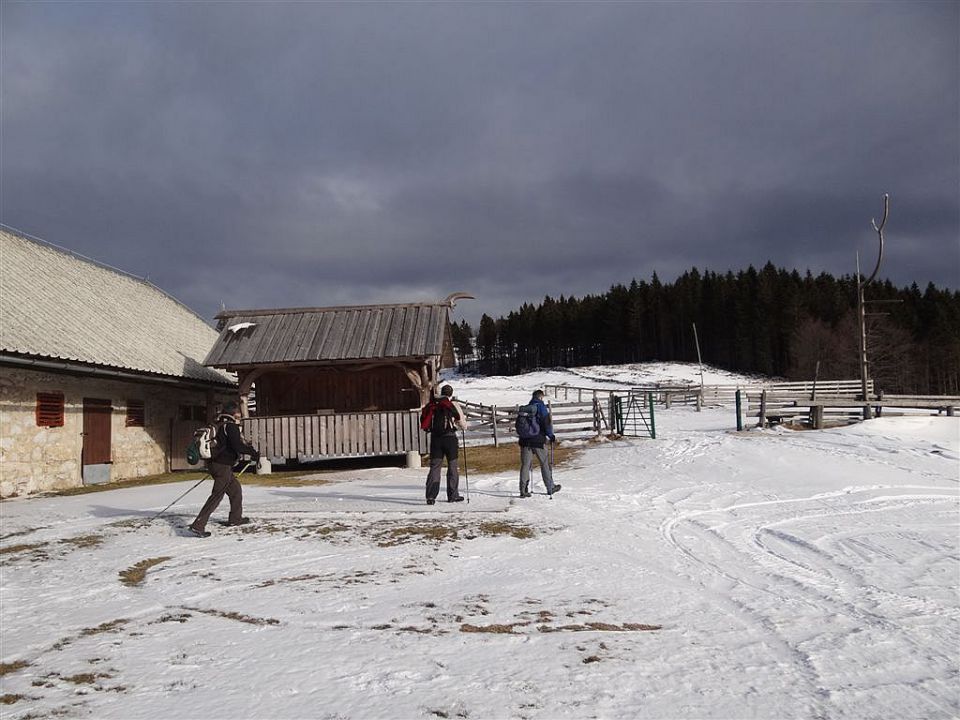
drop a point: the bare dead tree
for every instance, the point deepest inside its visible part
(861, 313)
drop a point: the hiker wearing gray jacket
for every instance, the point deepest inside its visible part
(534, 446)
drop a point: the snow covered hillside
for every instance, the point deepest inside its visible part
(708, 574)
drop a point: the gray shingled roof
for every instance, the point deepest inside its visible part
(333, 334)
(56, 305)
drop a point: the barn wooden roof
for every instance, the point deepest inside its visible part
(55, 305)
(329, 335)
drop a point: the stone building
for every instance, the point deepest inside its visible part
(101, 373)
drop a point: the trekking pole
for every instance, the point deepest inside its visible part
(466, 472)
(177, 500)
(245, 467)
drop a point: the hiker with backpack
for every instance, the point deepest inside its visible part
(229, 445)
(534, 427)
(443, 417)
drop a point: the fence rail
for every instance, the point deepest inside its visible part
(668, 394)
(770, 407)
(570, 420)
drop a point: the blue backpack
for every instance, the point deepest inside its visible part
(527, 425)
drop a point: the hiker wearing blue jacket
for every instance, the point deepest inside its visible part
(534, 446)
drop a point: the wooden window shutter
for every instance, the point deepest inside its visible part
(136, 416)
(49, 409)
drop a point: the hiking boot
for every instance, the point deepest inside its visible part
(458, 498)
(197, 533)
(241, 521)
(556, 489)
(524, 494)
(431, 501)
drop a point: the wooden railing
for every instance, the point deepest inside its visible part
(689, 394)
(322, 437)
(486, 423)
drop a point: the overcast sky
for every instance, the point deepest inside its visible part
(313, 154)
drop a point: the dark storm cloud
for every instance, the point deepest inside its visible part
(308, 154)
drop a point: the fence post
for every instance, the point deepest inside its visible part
(762, 422)
(739, 416)
(816, 417)
(493, 416)
(653, 423)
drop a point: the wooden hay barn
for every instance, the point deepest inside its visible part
(335, 382)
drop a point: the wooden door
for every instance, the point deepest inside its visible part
(96, 431)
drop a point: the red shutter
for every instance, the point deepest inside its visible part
(49, 409)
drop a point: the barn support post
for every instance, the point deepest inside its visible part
(245, 383)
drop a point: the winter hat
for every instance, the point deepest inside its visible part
(446, 391)
(230, 408)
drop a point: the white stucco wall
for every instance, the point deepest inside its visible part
(35, 459)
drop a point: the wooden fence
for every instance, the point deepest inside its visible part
(668, 394)
(336, 435)
(771, 408)
(570, 420)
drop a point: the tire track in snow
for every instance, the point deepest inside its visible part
(817, 583)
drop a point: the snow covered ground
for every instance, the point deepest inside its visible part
(786, 574)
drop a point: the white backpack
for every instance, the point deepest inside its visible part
(206, 439)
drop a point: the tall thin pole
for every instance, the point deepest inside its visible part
(696, 341)
(862, 327)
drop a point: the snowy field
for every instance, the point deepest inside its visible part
(705, 574)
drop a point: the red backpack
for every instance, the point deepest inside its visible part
(439, 417)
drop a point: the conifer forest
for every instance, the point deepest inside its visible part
(770, 321)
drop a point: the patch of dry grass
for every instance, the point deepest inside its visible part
(104, 627)
(86, 678)
(10, 699)
(84, 541)
(406, 533)
(86, 632)
(135, 575)
(21, 548)
(496, 628)
(230, 615)
(521, 532)
(6, 668)
(491, 459)
(600, 626)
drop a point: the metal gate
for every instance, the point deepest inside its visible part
(95, 456)
(633, 415)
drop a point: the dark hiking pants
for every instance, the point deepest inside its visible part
(443, 446)
(224, 483)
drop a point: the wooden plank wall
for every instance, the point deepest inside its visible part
(322, 437)
(308, 390)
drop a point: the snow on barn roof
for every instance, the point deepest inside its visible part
(333, 334)
(57, 305)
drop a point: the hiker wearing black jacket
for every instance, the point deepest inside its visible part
(534, 446)
(445, 418)
(230, 446)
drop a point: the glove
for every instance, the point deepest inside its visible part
(553, 438)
